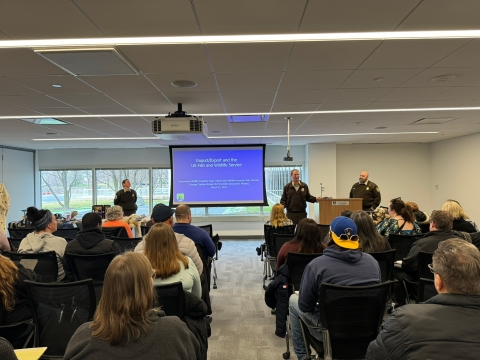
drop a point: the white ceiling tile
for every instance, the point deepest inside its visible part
(256, 109)
(205, 81)
(140, 17)
(408, 94)
(45, 19)
(9, 87)
(248, 97)
(194, 98)
(294, 107)
(247, 81)
(105, 110)
(344, 105)
(389, 78)
(302, 96)
(466, 56)
(24, 62)
(257, 57)
(120, 84)
(85, 100)
(424, 79)
(352, 15)
(327, 79)
(43, 84)
(330, 55)
(140, 99)
(32, 101)
(357, 95)
(391, 104)
(459, 93)
(412, 53)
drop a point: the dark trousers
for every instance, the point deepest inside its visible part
(296, 216)
(129, 212)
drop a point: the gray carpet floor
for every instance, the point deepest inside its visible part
(242, 327)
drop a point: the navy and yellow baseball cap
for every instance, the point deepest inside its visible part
(344, 232)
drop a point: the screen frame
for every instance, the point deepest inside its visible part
(229, 204)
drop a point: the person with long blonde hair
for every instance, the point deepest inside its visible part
(169, 263)
(461, 222)
(278, 217)
(125, 325)
(13, 297)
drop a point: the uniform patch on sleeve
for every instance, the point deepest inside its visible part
(378, 190)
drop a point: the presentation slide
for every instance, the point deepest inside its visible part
(218, 175)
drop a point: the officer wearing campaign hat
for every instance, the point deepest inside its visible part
(341, 264)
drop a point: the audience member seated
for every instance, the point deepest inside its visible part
(461, 222)
(445, 326)
(125, 325)
(401, 220)
(168, 262)
(13, 295)
(183, 215)
(4, 244)
(91, 240)
(114, 215)
(340, 264)
(421, 217)
(370, 240)
(346, 213)
(278, 217)
(6, 350)
(164, 214)
(42, 239)
(307, 240)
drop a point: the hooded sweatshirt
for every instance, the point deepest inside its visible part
(92, 241)
(36, 243)
(346, 268)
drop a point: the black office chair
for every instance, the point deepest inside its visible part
(144, 230)
(350, 318)
(91, 267)
(126, 244)
(296, 263)
(426, 290)
(14, 243)
(218, 246)
(171, 299)
(70, 233)
(19, 233)
(117, 231)
(268, 257)
(58, 310)
(324, 230)
(44, 264)
(385, 260)
(425, 228)
(19, 334)
(402, 243)
(412, 285)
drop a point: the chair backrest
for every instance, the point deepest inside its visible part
(352, 315)
(268, 231)
(385, 260)
(44, 264)
(19, 233)
(117, 231)
(324, 230)
(425, 228)
(67, 233)
(296, 263)
(14, 243)
(208, 228)
(90, 266)
(278, 241)
(424, 258)
(402, 243)
(126, 243)
(171, 298)
(144, 230)
(426, 290)
(58, 310)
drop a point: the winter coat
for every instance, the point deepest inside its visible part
(276, 297)
(194, 316)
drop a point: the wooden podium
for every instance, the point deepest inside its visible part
(329, 209)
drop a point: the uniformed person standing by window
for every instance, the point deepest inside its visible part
(126, 198)
(366, 190)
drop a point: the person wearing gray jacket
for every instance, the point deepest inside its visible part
(42, 239)
(163, 213)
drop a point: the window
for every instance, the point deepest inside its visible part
(161, 186)
(66, 190)
(276, 177)
(109, 181)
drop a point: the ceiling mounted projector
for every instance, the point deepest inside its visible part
(179, 126)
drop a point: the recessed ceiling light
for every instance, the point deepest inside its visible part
(443, 78)
(215, 131)
(51, 133)
(184, 84)
(46, 121)
(378, 79)
(56, 85)
(381, 127)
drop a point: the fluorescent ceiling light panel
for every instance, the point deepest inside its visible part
(159, 40)
(247, 118)
(46, 121)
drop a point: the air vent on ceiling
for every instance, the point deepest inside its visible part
(433, 121)
(89, 62)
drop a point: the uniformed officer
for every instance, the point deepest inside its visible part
(126, 198)
(366, 190)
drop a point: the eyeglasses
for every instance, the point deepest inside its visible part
(154, 274)
(430, 266)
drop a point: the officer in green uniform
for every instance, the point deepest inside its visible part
(366, 190)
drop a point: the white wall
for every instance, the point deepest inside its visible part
(18, 176)
(456, 171)
(398, 170)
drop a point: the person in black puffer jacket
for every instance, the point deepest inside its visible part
(276, 297)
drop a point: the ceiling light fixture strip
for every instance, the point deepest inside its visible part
(211, 39)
